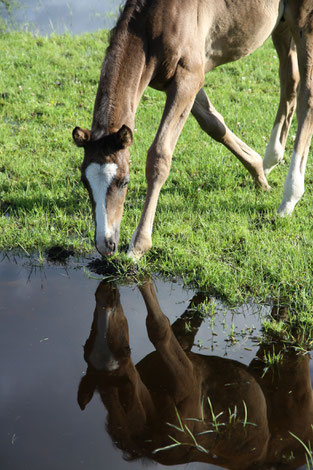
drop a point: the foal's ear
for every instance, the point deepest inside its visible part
(81, 136)
(86, 390)
(124, 137)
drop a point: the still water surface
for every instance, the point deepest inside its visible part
(76, 17)
(46, 314)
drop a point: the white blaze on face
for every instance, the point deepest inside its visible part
(101, 358)
(99, 178)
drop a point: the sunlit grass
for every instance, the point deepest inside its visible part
(212, 227)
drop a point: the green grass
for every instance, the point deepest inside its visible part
(212, 226)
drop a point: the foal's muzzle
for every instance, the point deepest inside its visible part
(107, 247)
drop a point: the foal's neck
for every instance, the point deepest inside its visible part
(124, 77)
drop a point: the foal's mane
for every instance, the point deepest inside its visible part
(127, 12)
(111, 68)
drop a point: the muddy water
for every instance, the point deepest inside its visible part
(46, 314)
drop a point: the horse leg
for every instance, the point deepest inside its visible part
(194, 320)
(180, 97)
(294, 183)
(213, 124)
(166, 344)
(289, 79)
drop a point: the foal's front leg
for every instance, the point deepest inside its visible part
(180, 97)
(289, 80)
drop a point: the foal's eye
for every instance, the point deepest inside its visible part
(123, 183)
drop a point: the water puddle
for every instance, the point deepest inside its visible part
(56, 16)
(93, 376)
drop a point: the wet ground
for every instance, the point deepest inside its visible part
(63, 407)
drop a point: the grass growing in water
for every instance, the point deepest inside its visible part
(212, 226)
(308, 451)
(222, 424)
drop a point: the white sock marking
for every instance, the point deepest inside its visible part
(293, 187)
(274, 151)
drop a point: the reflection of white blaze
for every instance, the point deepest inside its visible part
(99, 178)
(101, 358)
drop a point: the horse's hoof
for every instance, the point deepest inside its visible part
(262, 184)
(134, 255)
(139, 245)
(137, 251)
(272, 159)
(285, 210)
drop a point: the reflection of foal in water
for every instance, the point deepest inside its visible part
(246, 422)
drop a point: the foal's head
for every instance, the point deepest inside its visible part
(105, 174)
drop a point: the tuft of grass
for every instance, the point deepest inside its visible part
(212, 227)
(272, 360)
(296, 331)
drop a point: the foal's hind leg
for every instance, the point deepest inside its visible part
(294, 183)
(213, 124)
(180, 96)
(289, 79)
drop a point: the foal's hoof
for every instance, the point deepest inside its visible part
(273, 157)
(285, 209)
(136, 252)
(261, 182)
(134, 255)
(139, 245)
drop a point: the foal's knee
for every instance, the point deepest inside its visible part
(158, 164)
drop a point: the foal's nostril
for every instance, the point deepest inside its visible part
(111, 245)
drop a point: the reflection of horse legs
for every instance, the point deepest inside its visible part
(193, 380)
(186, 326)
(286, 383)
(162, 337)
(287, 387)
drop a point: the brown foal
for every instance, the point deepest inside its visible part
(170, 45)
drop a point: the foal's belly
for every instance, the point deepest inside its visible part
(237, 28)
(206, 33)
